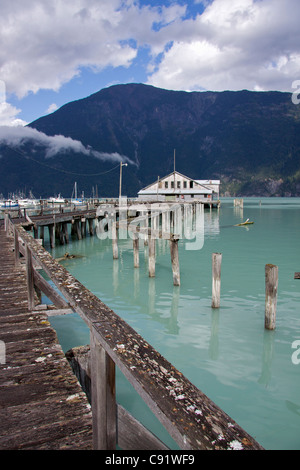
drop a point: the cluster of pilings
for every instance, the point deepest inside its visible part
(271, 289)
(58, 230)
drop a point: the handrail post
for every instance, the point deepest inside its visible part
(30, 279)
(104, 409)
(6, 223)
(16, 241)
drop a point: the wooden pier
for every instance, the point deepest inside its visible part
(42, 406)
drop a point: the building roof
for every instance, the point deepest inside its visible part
(203, 190)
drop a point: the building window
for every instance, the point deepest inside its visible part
(172, 184)
(166, 184)
(184, 184)
(191, 184)
(178, 184)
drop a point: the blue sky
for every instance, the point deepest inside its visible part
(56, 51)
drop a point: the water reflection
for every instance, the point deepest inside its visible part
(293, 407)
(214, 335)
(267, 358)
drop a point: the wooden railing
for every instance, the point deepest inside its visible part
(189, 416)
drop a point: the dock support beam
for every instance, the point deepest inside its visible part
(104, 408)
(271, 278)
(51, 228)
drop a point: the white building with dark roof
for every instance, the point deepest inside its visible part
(180, 188)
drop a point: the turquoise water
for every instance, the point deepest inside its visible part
(225, 352)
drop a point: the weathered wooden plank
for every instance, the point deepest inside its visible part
(48, 290)
(132, 435)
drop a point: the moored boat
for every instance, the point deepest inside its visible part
(28, 203)
(75, 200)
(8, 203)
(56, 200)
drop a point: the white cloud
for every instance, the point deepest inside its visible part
(8, 115)
(44, 44)
(53, 107)
(54, 145)
(233, 45)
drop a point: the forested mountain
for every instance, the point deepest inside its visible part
(248, 140)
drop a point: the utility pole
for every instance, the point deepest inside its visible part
(120, 185)
(174, 167)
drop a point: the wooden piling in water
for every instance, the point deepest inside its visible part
(216, 279)
(114, 236)
(83, 227)
(136, 259)
(271, 280)
(42, 236)
(65, 232)
(51, 228)
(91, 226)
(78, 229)
(151, 256)
(175, 261)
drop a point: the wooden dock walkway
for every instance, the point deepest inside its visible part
(42, 405)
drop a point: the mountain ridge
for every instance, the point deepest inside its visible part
(248, 140)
